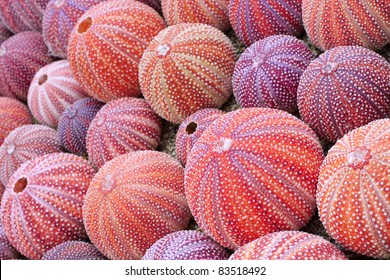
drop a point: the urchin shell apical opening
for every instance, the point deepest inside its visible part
(101, 120)
(85, 25)
(191, 128)
(359, 157)
(20, 185)
(258, 60)
(108, 184)
(329, 68)
(59, 3)
(72, 112)
(163, 50)
(42, 79)
(223, 145)
(10, 148)
(2, 50)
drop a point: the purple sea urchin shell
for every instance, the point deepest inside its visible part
(74, 250)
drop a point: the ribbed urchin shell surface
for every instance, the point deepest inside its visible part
(74, 250)
(7, 252)
(133, 201)
(353, 195)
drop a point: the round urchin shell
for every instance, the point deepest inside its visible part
(211, 12)
(253, 20)
(133, 201)
(58, 21)
(22, 15)
(106, 45)
(7, 252)
(186, 245)
(121, 126)
(353, 195)
(268, 72)
(74, 123)
(13, 114)
(344, 88)
(52, 90)
(74, 250)
(191, 129)
(42, 203)
(252, 172)
(4, 33)
(191, 66)
(288, 245)
(21, 56)
(25, 143)
(331, 23)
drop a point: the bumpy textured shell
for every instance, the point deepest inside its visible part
(211, 12)
(21, 56)
(52, 90)
(288, 245)
(331, 23)
(191, 129)
(22, 15)
(353, 194)
(186, 245)
(133, 201)
(252, 172)
(268, 72)
(25, 143)
(7, 252)
(74, 250)
(74, 123)
(13, 114)
(106, 45)
(47, 212)
(121, 126)
(185, 68)
(4, 33)
(58, 21)
(344, 88)
(253, 20)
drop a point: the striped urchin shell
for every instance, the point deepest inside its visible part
(191, 129)
(268, 72)
(353, 195)
(185, 68)
(21, 56)
(13, 114)
(7, 252)
(22, 15)
(42, 203)
(74, 250)
(106, 45)
(253, 20)
(331, 23)
(25, 143)
(252, 172)
(211, 12)
(186, 245)
(52, 90)
(58, 21)
(74, 123)
(4, 33)
(121, 126)
(344, 88)
(133, 201)
(288, 245)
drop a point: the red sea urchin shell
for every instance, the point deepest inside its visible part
(58, 21)
(268, 72)
(134, 200)
(25, 143)
(288, 245)
(7, 252)
(13, 114)
(331, 23)
(74, 250)
(74, 123)
(52, 90)
(252, 172)
(353, 195)
(257, 19)
(121, 126)
(106, 45)
(191, 129)
(42, 203)
(344, 88)
(211, 12)
(185, 68)
(186, 245)
(21, 56)
(4, 33)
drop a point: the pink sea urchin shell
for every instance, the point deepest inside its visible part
(134, 200)
(252, 172)
(74, 250)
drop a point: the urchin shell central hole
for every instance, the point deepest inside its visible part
(109, 183)
(223, 145)
(59, 3)
(10, 149)
(85, 25)
(258, 60)
(163, 50)
(359, 157)
(20, 185)
(42, 80)
(72, 112)
(101, 120)
(329, 67)
(2, 50)
(191, 128)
